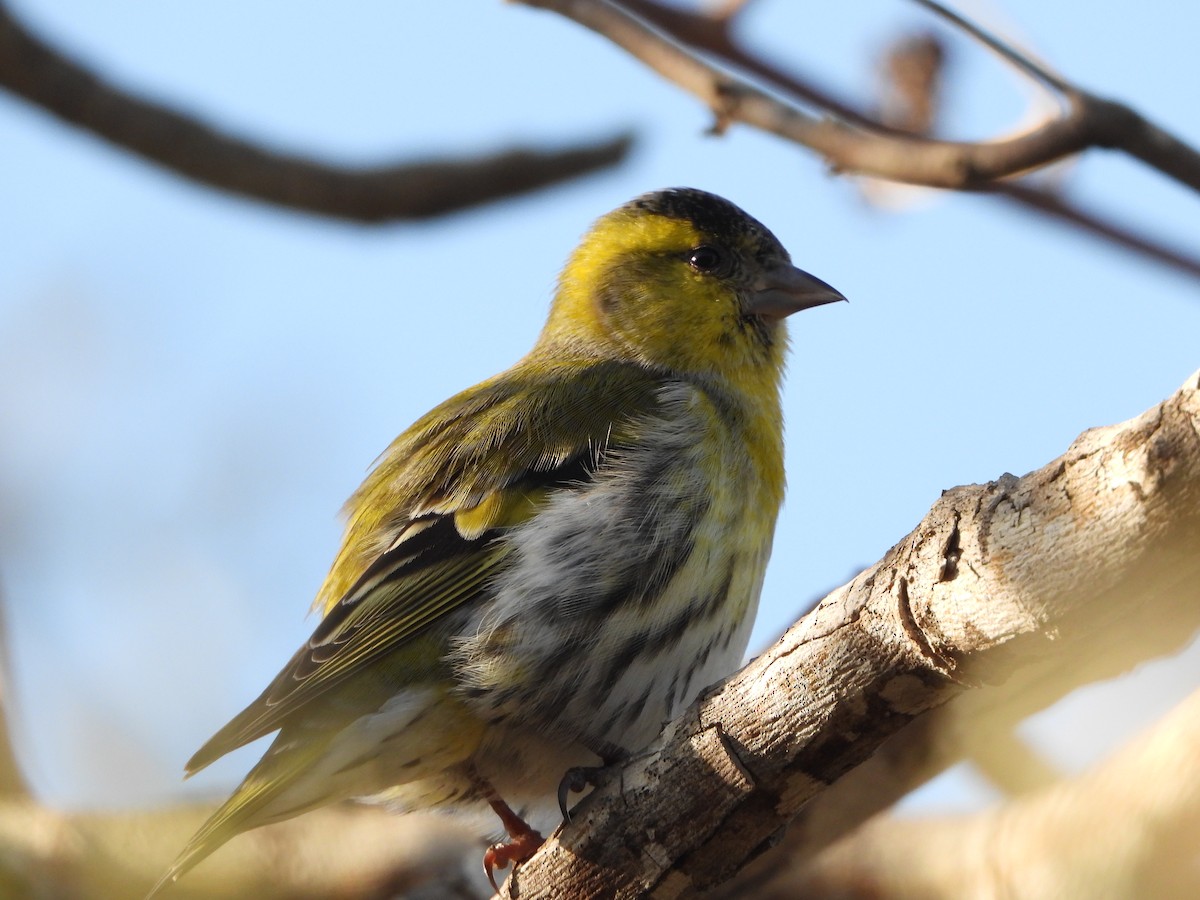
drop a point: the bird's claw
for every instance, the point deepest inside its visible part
(576, 780)
(517, 850)
(579, 777)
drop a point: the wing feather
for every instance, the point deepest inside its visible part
(423, 538)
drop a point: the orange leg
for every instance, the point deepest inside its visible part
(522, 842)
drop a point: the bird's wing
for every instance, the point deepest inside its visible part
(421, 540)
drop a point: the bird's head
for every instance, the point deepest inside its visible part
(684, 280)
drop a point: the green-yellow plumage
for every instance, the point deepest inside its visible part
(549, 565)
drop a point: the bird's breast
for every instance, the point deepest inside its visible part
(630, 593)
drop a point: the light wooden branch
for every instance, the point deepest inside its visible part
(969, 726)
(1016, 580)
(1088, 121)
(1130, 827)
(417, 189)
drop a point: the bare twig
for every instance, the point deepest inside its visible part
(727, 9)
(1109, 124)
(714, 35)
(1088, 121)
(1021, 61)
(717, 36)
(911, 89)
(179, 142)
(1055, 206)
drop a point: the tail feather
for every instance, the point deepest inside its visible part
(256, 802)
(195, 851)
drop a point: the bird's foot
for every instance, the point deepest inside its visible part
(522, 841)
(517, 849)
(578, 778)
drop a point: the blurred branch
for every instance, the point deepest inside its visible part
(340, 851)
(913, 69)
(1103, 123)
(12, 784)
(1089, 120)
(31, 69)
(1010, 764)
(857, 140)
(1018, 581)
(1058, 207)
(1130, 827)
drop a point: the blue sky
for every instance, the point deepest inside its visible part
(191, 383)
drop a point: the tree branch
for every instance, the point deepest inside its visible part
(1056, 206)
(178, 142)
(967, 727)
(1129, 827)
(12, 784)
(714, 34)
(863, 148)
(1111, 125)
(337, 851)
(1016, 580)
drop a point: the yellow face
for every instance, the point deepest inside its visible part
(676, 280)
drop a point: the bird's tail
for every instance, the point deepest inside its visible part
(273, 791)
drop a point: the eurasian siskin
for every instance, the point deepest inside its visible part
(550, 565)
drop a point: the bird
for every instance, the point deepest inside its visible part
(547, 567)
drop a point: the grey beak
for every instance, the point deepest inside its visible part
(785, 290)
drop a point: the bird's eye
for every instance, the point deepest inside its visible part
(706, 259)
